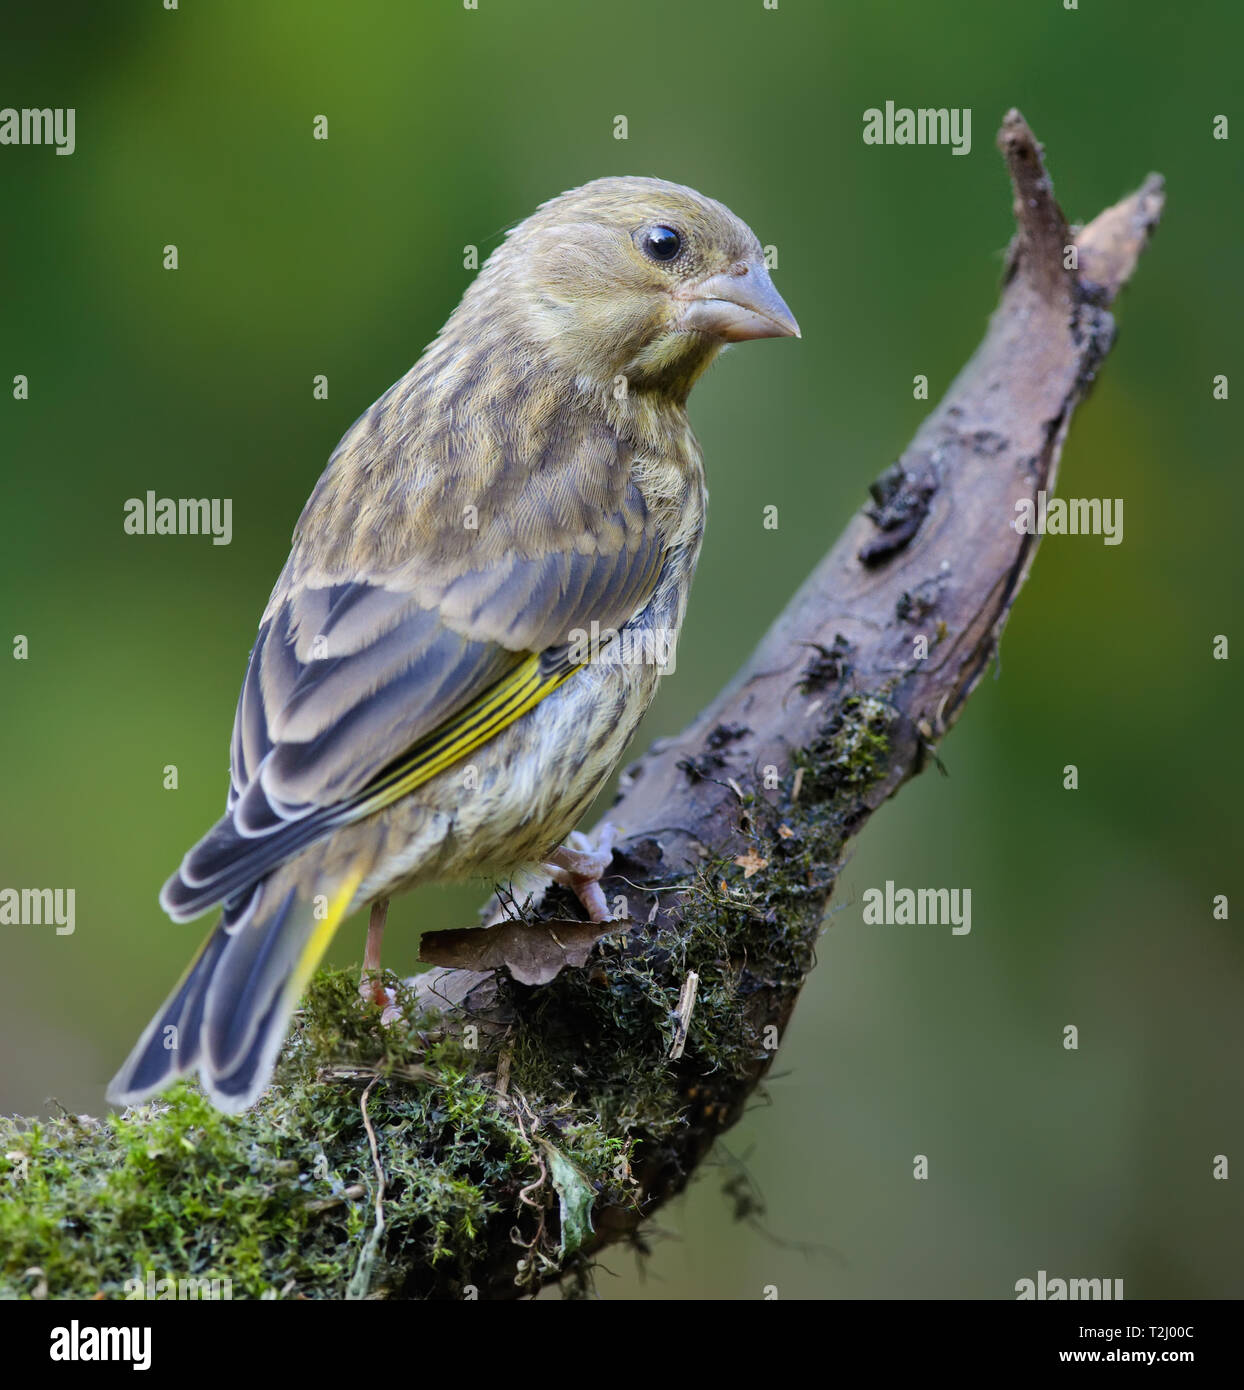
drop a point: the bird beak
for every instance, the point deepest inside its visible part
(739, 304)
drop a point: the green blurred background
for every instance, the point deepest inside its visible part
(343, 257)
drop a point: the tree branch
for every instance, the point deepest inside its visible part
(521, 1129)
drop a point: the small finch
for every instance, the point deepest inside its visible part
(421, 703)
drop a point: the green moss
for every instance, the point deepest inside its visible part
(484, 1148)
(279, 1201)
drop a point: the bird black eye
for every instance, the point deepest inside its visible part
(661, 243)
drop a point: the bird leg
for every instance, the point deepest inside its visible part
(371, 984)
(580, 864)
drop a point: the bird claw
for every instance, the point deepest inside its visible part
(373, 990)
(580, 864)
(582, 856)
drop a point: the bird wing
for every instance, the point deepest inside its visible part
(400, 639)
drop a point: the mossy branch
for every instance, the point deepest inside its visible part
(507, 1133)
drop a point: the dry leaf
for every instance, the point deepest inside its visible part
(751, 863)
(533, 954)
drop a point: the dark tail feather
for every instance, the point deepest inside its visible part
(230, 1012)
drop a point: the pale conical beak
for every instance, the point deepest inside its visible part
(739, 304)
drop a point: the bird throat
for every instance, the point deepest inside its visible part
(671, 364)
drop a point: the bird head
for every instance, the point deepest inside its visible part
(633, 278)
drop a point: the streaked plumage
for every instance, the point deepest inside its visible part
(533, 473)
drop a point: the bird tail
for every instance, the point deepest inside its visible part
(229, 1013)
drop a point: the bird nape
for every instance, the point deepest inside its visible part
(429, 697)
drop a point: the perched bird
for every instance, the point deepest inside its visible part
(419, 703)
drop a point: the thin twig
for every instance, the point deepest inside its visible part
(682, 1016)
(359, 1283)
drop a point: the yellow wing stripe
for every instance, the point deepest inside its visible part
(321, 936)
(480, 721)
